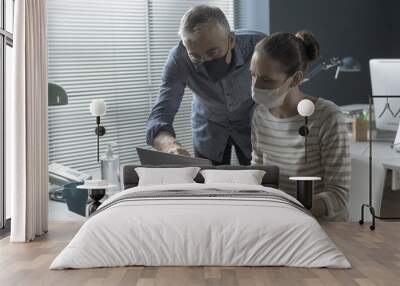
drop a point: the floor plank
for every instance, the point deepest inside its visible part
(375, 256)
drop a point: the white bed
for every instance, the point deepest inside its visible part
(202, 231)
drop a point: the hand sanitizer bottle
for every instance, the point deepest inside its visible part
(110, 167)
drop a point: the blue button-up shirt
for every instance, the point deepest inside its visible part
(219, 109)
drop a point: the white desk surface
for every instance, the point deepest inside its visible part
(381, 152)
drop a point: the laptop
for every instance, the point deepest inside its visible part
(157, 158)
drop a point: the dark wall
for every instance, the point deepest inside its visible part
(364, 29)
(394, 27)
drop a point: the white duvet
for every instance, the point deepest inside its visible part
(200, 231)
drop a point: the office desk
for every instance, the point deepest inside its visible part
(385, 161)
(58, 211)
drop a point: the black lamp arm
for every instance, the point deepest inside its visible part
(325, 65)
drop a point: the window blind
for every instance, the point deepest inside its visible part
(241, 19)
(114, 50)
(252, 15)
(97, 49)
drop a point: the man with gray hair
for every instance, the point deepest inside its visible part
(214, 63)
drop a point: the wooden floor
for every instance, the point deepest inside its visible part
(375, 257)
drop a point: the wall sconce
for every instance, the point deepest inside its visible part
(98, 108)
(305, 108)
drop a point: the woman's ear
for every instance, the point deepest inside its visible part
(297, 78)
(232, 41)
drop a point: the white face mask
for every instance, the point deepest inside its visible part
(270, 98)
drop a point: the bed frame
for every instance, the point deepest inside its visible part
(130, 179)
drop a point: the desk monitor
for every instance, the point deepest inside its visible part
(385, 81)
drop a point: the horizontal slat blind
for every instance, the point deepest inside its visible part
(114, 50)
(241, 21)
(165, 16)
(97, 49)
(252, 15)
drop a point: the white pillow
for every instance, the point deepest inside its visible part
(164, 176)
(248, 177)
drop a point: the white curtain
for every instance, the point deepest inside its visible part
(26, 124)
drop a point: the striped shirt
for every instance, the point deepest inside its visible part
(277, 141)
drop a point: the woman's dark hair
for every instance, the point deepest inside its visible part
(293, 51)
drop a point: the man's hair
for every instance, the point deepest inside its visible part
(198, 17)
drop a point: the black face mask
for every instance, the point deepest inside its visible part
(218, 68)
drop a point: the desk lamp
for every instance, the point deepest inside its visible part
(346, 64)
(56, 95)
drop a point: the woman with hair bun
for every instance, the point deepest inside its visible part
(278, 66)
